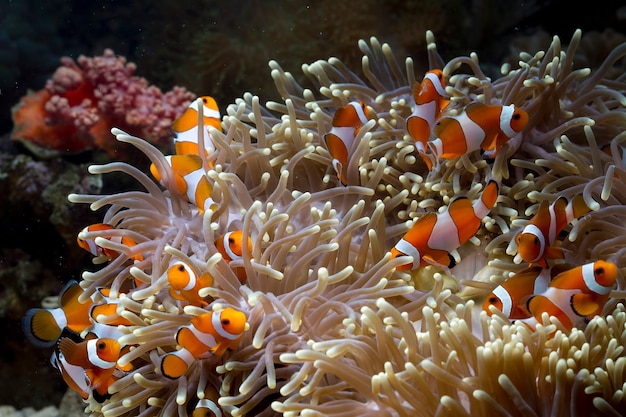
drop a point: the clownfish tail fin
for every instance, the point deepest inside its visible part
(40, 327)
(173, 366)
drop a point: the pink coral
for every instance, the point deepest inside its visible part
(86, 97)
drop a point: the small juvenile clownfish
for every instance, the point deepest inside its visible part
(574, 296)
(430, 100)
(347, 122)
(535, 241)
(43, 326)
(88, 366)
(207, 334)
(185, 284)
(479, 126)
(208, 405)
(511, 297)
(230, 245)
(191, 180)
(103, 254)
(434, 235)
(186, 126)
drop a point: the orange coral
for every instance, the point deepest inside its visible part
(84, 99)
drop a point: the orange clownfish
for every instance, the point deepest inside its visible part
(191, 180)
(210, 333)
(88, 366)
(347, 122)
(511, 297)
(43, 326)
(230, 245)
(535, 241)
(479, 126)
(185, 284)
(575, 296)
(434, 235)
(186, 126)
(105, 312)
(208, 405)
(103, 254)
(430, 100)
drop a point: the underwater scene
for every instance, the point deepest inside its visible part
(268, 208)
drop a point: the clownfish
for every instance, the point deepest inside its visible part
(210, 333)
(208, 405)
(511, 297)
(103, 254)
(479, 126)
(430, 100)
(574, 296)
(230, 245)
(535, 241)
(434, 235)
(347, 122)
(185, 284)
(105, 312)
(43, 326)
(186, 128)
(88, 366)
(191, 180)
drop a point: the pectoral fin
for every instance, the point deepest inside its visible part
(554, 253)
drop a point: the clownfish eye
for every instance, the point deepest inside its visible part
(516, 116)
(493, 300)
(204, 100)
(599, 271)
(101, 345)
(536, 240)
(225, 322)
(231, 241)
(181, 268)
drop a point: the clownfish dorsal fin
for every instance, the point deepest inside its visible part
(70, 294)
(541, 219)
(474, 107)
(348, 116)
(187, 120)
(559, 268)
(480, 113)
(421, 228)
(69, 350)
(417, 88)
(584, 304)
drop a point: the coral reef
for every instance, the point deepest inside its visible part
(84, 99)
(332, 325)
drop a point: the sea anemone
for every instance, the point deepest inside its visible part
(333, 328)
